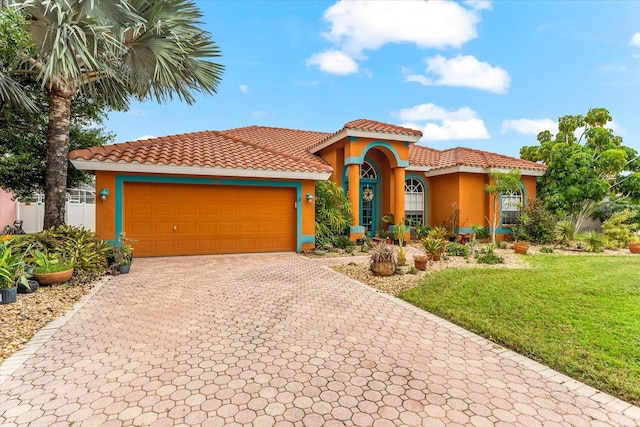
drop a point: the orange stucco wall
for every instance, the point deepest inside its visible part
(466, 190)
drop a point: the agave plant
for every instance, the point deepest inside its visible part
(593, 241)
(563, 232)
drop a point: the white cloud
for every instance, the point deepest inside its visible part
(368, 25)
(453, 125)
(244, 89)
(357, 26)
(463, 70)
(635, 39)
(479, 4)
(529, 126)
(334, 62)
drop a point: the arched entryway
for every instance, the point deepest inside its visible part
(370, 196)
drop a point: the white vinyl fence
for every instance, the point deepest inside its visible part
(80, 211)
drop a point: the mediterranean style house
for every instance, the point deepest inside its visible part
(252, 189)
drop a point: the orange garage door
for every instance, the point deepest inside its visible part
(182, 219)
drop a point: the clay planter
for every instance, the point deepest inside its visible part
(50, 278)
(8, 295)
(421, 263)
(383, 268)
(634, 247)
(436, 256)
(124, 269)
(521, 247)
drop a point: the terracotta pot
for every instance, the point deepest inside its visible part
(383, 268)
(50, 278)
(436, 256)
(521, 247)
(634, 247)
(421, 263)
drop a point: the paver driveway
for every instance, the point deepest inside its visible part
(278, 340)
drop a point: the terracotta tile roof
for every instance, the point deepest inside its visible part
(460, 156)
(373, 126)
(290, 141)
(207, 148)
(280, 149)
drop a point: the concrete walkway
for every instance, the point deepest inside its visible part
(276, 340)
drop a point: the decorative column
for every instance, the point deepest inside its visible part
(353, 172)
(398, 205)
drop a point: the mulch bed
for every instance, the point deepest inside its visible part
(20, 321)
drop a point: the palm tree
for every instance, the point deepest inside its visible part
(113, 50)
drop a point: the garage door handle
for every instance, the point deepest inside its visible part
(174, 228)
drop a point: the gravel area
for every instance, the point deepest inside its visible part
(398, 282)
(22, 319)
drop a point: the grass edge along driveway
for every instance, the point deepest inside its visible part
(578, 314)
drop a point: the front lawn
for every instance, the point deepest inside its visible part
(579, 314)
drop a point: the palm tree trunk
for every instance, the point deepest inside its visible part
(55, 182)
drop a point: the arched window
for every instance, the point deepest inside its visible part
(367, 171)
(414, 200)
(510, 205)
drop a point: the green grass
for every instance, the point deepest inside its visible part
(577, 314)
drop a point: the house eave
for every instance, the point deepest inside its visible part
(345, 133)
(173, 169)
(478, 169)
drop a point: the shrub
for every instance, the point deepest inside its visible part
(70, 245)
(593, 241)
(546, 250)
(486, 256)
(540, 222)
(343, 242)
(333, 211)
(481, 232)
(620, 229)
(457, 249)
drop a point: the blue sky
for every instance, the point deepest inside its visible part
(479, 74)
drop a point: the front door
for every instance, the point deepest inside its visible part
(368, 214)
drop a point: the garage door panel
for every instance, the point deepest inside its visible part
(208, 218)
(162, 209)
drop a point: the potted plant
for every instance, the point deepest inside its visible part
(433, 247)
(420, 261)
(12, 267)
(520, 245)
(634, 245)
(382, 260)
(124, 258)
(49, 269)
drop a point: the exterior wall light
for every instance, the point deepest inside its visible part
(104, 193)
(309, 198)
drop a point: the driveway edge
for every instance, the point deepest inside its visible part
(9, 366)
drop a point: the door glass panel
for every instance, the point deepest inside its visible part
(367, 213)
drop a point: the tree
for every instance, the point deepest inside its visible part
(499, 183)
(23, 136)
(112, 51)
(584, 172)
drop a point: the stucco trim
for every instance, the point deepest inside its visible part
(87, 165)
(344, 133)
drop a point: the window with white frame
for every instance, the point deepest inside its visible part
(511, 203)
(414, 200)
